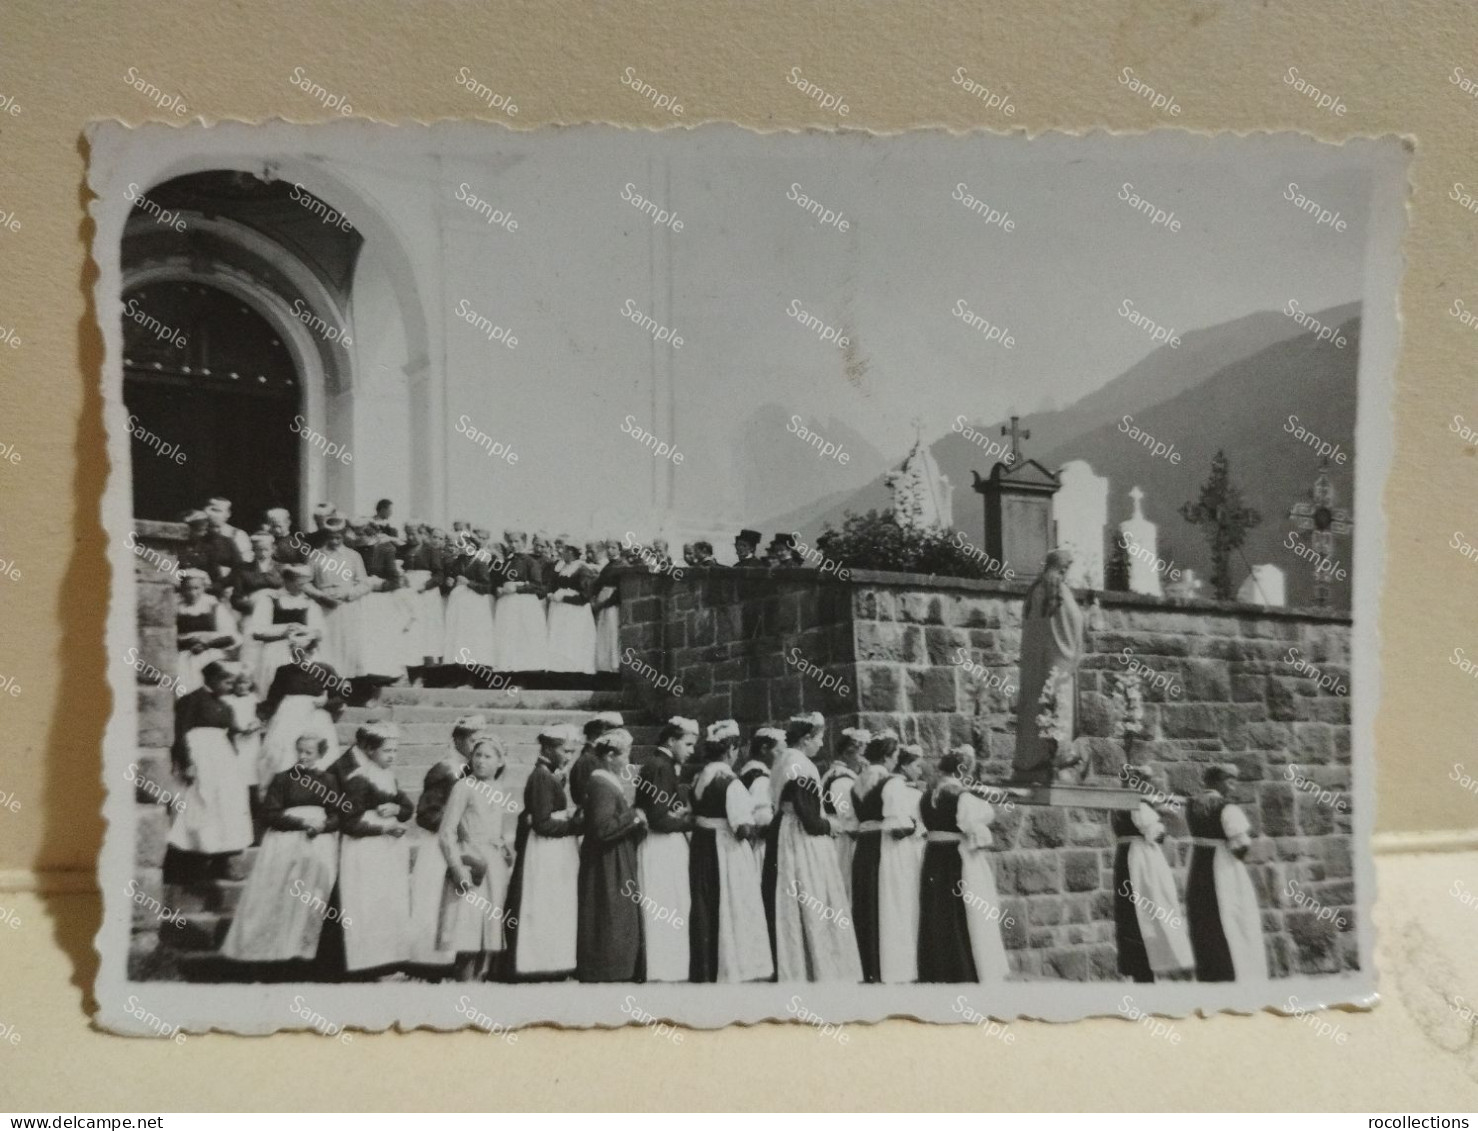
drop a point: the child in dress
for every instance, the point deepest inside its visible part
(245, 705)
(479, 858)
(282, 910)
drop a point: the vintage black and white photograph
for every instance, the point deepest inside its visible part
(674, 578)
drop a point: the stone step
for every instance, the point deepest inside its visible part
(510, 734)
(446, 715)
(468, 699)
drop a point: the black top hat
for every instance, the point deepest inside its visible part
(753, 537)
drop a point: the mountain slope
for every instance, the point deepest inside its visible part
(1158, 377)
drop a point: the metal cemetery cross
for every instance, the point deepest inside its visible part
(1220, 508)
(1323, 520)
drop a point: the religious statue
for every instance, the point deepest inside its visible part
(1051, 646)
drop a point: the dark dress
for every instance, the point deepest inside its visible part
(248, 580)
(580, 773)
(608, 944)
(1134, 959)
(214, 553)
(807, 806)
(1203, 910)
(543, 797)
(866, 859)
(197, 709)
(435, 790)
(288, 549)
(704, 881)
(944, 929)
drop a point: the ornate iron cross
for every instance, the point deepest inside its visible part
(1323, 520)
(1226, 520)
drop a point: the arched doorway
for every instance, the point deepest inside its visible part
(212, 393)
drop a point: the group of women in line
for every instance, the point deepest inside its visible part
(715, 861)
(524, 607)
(708, 863)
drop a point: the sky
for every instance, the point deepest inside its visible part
(890, 282)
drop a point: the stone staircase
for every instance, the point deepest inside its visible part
(425, 717)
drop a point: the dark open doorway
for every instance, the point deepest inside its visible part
(226, 400)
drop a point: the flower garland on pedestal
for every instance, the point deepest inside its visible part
(1055, 724)
(1128, 699)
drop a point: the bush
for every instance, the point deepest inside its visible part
(875, 541)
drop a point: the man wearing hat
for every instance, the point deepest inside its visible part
(587, 762)
(746, 549)
(781, 553)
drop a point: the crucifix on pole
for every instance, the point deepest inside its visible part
(1017, 434)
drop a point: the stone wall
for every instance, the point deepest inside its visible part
(893, 645)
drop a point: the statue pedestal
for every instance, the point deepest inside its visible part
(1101, 797)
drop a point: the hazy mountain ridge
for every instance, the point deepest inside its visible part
(1231, 386)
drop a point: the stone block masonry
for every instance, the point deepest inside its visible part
(935, 659)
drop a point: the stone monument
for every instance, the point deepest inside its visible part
(1018, 508)
(1080, 512)
(1140, 537)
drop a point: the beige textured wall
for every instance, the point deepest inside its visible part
(64, 63)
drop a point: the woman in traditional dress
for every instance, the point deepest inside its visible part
(1051, 642)
(470, 636)
(478, 855)
(520, 628)
(586, 762)
(339, 583)
(1221, 903)
(874, 911)
(665, 894)
(900, 865)
(213, 820)
(728, 941)
(429, 873)
(571, 624)
(544, 893)
(424, 561)
(374, 859)
(606, 604)
(205, 630)
(755, 776)
(836, 796)
(1148, 926)
(814, 940)
(280, 916)
(391, 634)
(260, 575)
(277, 616)
(959, 936)
(297, 705)
(609, 936)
